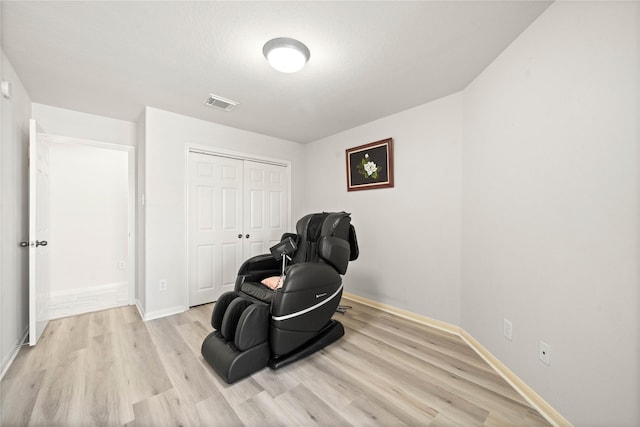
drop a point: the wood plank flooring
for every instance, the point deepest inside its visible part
(110, 368)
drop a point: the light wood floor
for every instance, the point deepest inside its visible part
(110, 368)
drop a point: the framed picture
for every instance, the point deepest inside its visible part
(370, 166)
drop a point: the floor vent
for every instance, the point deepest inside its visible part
(216, 101)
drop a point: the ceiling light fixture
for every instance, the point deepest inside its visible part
(285, 54)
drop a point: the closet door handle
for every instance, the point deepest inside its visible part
(239, 236)
(247, 236)
(41, 243)
(24, 244)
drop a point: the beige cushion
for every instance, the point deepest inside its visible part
(273, 282)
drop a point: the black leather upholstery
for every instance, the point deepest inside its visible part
(335, 251)
(256, 326)
(251, 329)
(257, 291)
(222, 304)
(232, 315)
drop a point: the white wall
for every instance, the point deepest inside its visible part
(409, 235)
(550, 209)
(63, 122)
(167, 136)
(14, 207)
(89, 216)
(89, 191)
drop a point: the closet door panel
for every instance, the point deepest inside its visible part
(215, 222)
(266, 216)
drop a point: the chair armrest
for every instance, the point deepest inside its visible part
(308, 286)
(309, 275)
(259, 263)
(257, 268)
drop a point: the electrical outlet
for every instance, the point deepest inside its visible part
(544, 353)
(508, 329)
(122, 265)
(162, 284)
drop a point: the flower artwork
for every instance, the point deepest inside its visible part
(370, 166)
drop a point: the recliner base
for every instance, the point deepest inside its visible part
(330, 333)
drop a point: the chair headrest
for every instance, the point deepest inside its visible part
(313, 227)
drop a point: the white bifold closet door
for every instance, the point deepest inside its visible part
(237, 209)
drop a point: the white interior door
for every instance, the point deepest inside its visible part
(215, 226)
(39, 260)
(266, 215)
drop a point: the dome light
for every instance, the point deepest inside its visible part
(286, 55)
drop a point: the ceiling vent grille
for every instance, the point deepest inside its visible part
(216, 101)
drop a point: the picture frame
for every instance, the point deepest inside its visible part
(370, 166)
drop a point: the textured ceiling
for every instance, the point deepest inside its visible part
(368, 59)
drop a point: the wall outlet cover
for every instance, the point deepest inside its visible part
(544, 353)
(508, 329)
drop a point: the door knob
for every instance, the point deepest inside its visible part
(24, 244)
(247, 236)
(41, 243)
(239, 236)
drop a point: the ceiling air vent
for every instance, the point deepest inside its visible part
(220, 102)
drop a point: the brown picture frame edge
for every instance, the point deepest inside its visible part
(350, 153)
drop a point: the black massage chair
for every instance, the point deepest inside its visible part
(256, 326)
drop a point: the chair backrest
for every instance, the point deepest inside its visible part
(326, 237)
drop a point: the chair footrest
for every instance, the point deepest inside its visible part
(229, 362)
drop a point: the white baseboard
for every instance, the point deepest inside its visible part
(534, 399)
(424, 320)
(140, 309)
(84, 300)
(546, 410)
(6, 363)
(158, 313)
(162, 313)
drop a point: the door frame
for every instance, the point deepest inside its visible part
(212, 151)
(131, 199)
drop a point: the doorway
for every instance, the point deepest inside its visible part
(92, 197)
